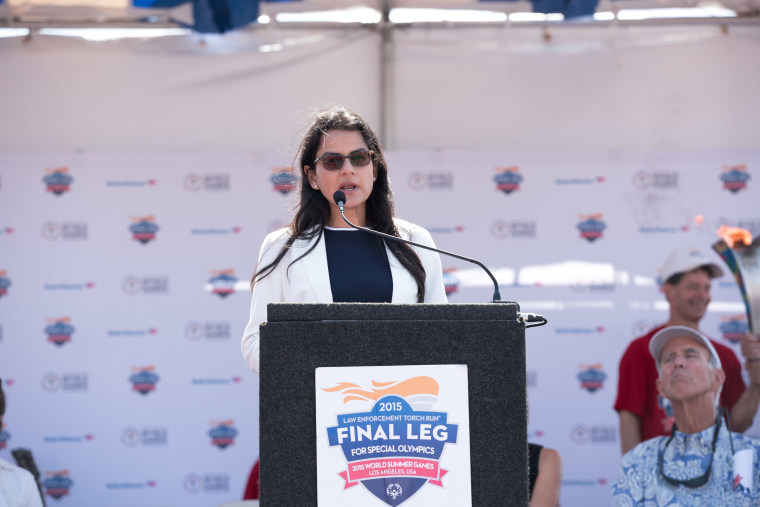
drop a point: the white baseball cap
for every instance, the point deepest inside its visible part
(664, 335)
(684, 260)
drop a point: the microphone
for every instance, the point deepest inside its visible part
(340, 199)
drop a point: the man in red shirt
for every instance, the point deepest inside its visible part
(687, 276)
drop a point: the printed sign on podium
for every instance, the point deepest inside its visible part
(393, 435)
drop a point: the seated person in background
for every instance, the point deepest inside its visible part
(695, 465)
(686, 276)
(545, 476)
(17, 486)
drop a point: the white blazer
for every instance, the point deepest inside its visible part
(308, 279)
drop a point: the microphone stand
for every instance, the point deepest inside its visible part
(340, 199)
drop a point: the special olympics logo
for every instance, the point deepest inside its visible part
(193, 483)
(735, 177)
(592, 377)
(130, 437)
(283, 180)
(223, 282)
(144, 379)
(393, 490)
(51, 230)
(508, 179)
(57, 484)
(591, 227)
(57, 181)
(131, 285)
(5, 282)
(144, 229)
(193, 182)
(51, 382)
(223, 434)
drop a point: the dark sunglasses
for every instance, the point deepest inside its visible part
(334, 161)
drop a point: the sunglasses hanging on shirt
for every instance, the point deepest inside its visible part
(696, 482)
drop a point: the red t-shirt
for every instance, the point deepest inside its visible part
(637, 391)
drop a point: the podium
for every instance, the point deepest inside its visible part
(298, 338)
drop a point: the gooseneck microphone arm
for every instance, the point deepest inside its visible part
(340, 199)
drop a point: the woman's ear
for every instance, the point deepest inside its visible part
(310, 175)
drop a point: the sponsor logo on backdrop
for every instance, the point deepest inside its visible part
(59, 331)
(431, 181)
(57, 484)
(207, 483)
(531, 378)
(594, 434)
(68, 439)
(663, 229)
(733, 328)
(217, 182)
(144, 379)
(215, 231)
(133, 285)
(514, 229)
(221, 381)
(131, 183)
(591, 227)
(144, 229)
(5, 283)
(283, 180)
(147, 437)
(132, 332)
(592, 330)
(535, 434)
(223, 433)
(393, 450)
(735, 177)
(446, 230)
(223, 282)
(581, 287)
(592, 377)
(66, 382)
(6, 230)
(580, 180)
(508, 179)
(57, 181)
(450, 281)
(131, 485)
(69, 286)
(64, 230)
(210, 330)
(644, 180)
(4, 437)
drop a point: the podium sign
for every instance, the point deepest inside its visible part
(397, 433)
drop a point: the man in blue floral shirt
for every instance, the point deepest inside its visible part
(695, 464)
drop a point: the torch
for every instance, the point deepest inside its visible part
(742, 255)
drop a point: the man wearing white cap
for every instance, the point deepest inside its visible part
(687, 276)
(702, 462)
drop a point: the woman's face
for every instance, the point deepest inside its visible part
(356, 182)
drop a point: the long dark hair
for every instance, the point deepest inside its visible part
(313, 210)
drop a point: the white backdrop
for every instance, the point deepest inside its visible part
(631, 125)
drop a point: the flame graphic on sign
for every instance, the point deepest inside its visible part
(422, 386)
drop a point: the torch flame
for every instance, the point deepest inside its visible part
(735, 236)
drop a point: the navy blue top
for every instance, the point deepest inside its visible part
(358, 267)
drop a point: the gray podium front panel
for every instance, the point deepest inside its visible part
(489, 338)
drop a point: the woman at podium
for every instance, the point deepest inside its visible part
(318, 257)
